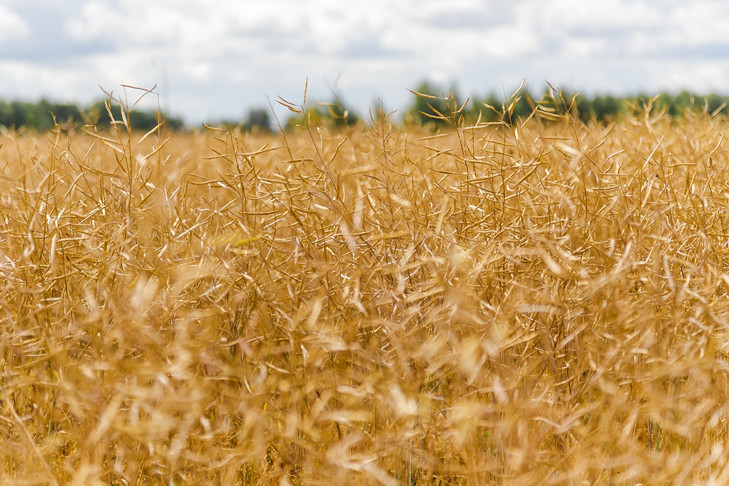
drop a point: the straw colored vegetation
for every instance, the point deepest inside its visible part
(537, 303)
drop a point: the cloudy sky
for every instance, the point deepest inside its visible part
(215, 60)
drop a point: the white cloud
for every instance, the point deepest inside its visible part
(702, 22)
(27, 80)
(221, 58)
(702, 77)
(12, 26)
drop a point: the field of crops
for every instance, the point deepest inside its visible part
(536, 303)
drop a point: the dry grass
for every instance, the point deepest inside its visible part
(501, 305)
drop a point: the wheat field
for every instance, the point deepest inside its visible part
(543, 302)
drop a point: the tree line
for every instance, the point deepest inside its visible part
(45, 115)
(434, 106)
(430, 105)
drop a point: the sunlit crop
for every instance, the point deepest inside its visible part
(542, 302)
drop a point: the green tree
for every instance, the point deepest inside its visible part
(334, 114)
(258, 119)
(5, 114)
(503, 109)
(339, 115)
(605, 108)
(143, 120)
(19, 113)
(434, 108)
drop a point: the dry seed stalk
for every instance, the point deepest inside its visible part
(544, 302)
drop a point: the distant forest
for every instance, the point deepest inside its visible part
(44, 115)
(430, 105)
